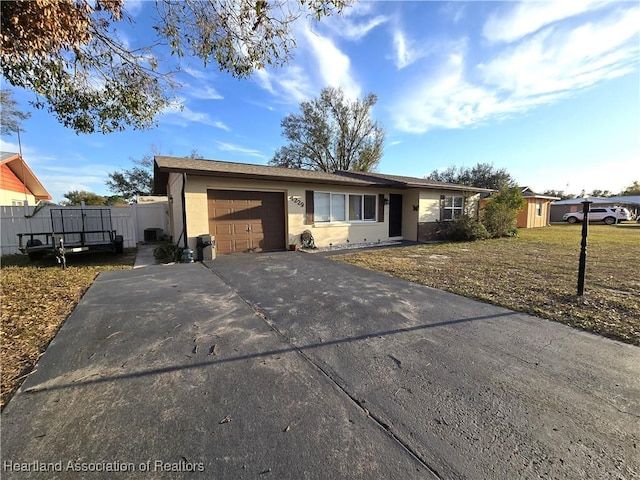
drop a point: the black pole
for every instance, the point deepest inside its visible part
(583, 247)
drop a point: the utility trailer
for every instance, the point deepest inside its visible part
(73, 230)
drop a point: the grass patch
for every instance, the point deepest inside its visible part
(36, 299)
(535, 273)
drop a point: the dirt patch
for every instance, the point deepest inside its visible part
(36, 299)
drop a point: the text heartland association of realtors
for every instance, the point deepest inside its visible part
(70, 466)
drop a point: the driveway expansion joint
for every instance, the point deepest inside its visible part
(359, 403)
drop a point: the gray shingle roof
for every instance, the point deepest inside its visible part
(246, 170)
(405, 182)
(164, 165)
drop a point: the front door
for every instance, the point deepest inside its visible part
(395, 215)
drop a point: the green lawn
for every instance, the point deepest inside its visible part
(535, 272)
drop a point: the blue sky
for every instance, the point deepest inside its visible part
(549, 90)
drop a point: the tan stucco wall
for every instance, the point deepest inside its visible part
(7, 197)
(174, 189)
(430, 203)
(323, 233)
(409, 215)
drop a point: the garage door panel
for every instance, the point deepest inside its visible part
(245, 221)
(221, 229)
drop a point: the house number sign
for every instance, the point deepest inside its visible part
(296, 200)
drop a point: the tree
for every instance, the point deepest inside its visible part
(559, 193)
(633, 189)
(500, 214)
(482, 175)
(11, 117)
(76, 197)
(69, 54)
(129, 183)
(332, 133)
(600, 193)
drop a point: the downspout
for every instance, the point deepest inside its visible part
(184, 210)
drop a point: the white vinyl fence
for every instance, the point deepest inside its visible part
(128, 221)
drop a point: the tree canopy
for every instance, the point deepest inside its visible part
(482, 175)
(76, 197)
(633, 189)
(129, 183)
(331, 133)
(11, 117)
(138, 180)
(559, 193)
(70, 55)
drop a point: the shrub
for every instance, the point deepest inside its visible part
(167, 253)
(464, 229)
(500, 214)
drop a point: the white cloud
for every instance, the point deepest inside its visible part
(334, 66)
(221, 125)
(199, 74)
(263, 79)
(179, 114)
(454, 10)
(290, 83)
(527, 17)
(231, 147)
(554, 60)
(9, 146)
(405, 51)
(347, 27)
(203, 92)
(133, 7)
(552, 64)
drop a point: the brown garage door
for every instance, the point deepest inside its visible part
(246, 221)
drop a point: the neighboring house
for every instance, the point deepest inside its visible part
(536, 212)
(560, 207)
(255, 207)
(18, 184)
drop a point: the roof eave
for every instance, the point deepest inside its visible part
(276, 178)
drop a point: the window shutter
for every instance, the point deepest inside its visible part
(381, 207)
(308, 216)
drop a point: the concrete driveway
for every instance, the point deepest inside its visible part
(472, 390)
(293, 366)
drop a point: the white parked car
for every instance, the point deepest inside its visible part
(607, 215)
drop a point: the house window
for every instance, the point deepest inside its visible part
(329, 207)
(538, 209)
(453, 207)
(339, 207)
(17, 203)
(362, 208)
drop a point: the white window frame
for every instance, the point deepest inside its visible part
(455, 210)
(362, 207)
(335, 217)
(538, 209)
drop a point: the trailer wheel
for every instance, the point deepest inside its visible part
(118, 244)
(38, 254)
